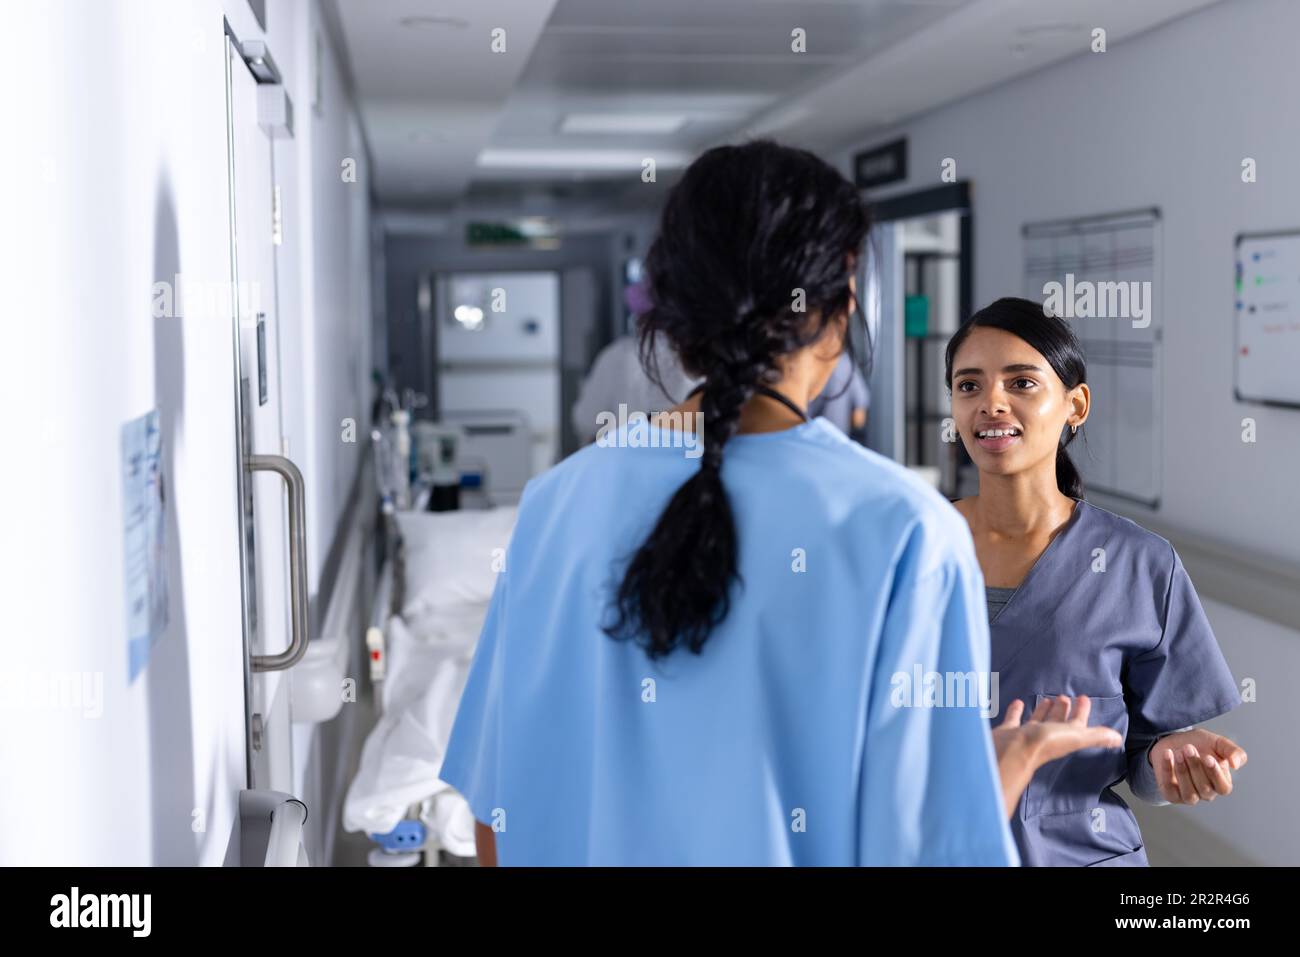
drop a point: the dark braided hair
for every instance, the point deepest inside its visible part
(744, 228)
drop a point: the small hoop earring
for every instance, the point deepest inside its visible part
(1074, 429)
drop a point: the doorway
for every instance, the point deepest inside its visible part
(272, 540)
(921, 284)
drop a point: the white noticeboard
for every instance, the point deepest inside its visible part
(1122, 444)
(1267, 309)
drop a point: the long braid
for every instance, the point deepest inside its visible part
(743, 227)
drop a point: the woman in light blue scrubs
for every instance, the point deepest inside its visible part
(1081, 601)
(693, 655)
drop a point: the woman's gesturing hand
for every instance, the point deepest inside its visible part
(1057, 727)
(1196, 765)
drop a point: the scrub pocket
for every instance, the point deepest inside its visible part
(1134, 858)
(1074, 783)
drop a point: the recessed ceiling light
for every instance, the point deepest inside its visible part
(575, 160)
(536, 227)
(622, 123)
(416, 23)
(1050, 30)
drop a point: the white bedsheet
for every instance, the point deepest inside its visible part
(450, 576)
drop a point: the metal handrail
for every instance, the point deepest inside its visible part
(284, 847)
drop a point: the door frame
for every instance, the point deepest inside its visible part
(887, 422)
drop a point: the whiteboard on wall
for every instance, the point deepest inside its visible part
(1267, 310)
(1121, 449)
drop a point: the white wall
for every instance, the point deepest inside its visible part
(122, 181)
(1161, 120)
(331, 230)
(1257, 821)
(1165, 120)
(129, 187)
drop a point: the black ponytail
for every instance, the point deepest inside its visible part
(744, 228)
(1055, 341)
(1068, 479)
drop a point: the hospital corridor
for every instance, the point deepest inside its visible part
(451, 435)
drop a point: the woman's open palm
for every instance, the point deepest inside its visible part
(1058, 727)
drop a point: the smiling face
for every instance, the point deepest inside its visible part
(1009, 404)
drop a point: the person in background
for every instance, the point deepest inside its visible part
(845, 400)
(618, 376)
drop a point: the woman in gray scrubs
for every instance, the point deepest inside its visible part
(1081, 601)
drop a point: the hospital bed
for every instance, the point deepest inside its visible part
(430, 603)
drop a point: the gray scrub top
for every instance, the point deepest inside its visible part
(1107, 611)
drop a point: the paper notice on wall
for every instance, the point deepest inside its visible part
(144, 550)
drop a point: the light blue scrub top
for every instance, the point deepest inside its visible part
(785, 741)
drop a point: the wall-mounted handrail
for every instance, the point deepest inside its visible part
(271, 830)
(1259, 585)
(284, 848)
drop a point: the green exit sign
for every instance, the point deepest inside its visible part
(494, 234)
(535, 232)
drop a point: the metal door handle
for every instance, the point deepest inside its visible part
(282, 467)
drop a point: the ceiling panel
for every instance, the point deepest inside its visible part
(448, 121)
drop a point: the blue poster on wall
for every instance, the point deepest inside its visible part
(144, 553)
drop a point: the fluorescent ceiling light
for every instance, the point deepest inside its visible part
(1050, 30)
(454, 23)
(778, 119)
(622, 123)
(536, 227)
(579, 160)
